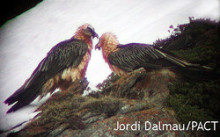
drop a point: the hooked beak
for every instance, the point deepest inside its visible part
(97, 46)
(95, 35)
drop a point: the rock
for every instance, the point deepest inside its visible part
(58, 130)
(67, 133)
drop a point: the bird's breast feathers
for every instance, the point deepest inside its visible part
(72, 74)
(66, 77)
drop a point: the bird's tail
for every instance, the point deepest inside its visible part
(187, 65)
(184, 64)
(190, 70)
(22, 97)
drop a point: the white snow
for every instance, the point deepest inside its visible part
(26, 39)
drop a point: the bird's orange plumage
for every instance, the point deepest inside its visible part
(108, 42)
(64, 64)
(69, 75)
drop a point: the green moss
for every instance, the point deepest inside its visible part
(59, 109)
(107, 83)
(107, 105)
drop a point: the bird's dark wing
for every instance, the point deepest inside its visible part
(134, 55)
(63, 55)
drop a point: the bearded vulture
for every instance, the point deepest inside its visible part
(123, 59)
(65, 63)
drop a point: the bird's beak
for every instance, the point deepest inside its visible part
(95, 35)
(97, 46)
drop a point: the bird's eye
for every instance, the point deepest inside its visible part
(91, 30)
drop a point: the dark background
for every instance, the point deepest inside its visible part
(12, 8)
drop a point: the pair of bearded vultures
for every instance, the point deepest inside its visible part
(67, 62)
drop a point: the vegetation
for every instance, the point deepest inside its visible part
(197, 42)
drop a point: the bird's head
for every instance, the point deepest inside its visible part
(86, 31)
(107, 40)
